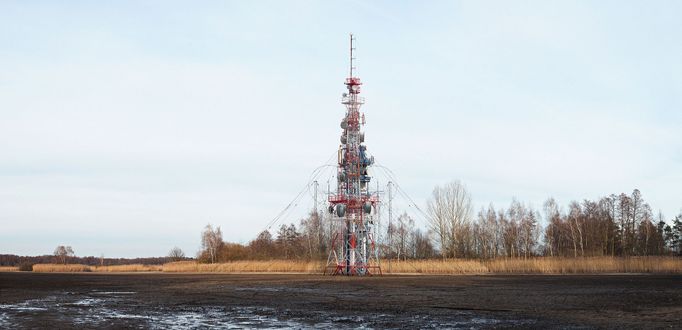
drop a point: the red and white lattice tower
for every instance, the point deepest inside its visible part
(354, 206)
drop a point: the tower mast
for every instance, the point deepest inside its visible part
(354, 205)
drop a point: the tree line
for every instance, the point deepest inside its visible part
(65, 254)
(290, 242)
(15, 260)
(614, 225)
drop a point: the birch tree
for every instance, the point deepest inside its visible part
(553, 218)
(450, 212)
(212, 241)
(63, 253)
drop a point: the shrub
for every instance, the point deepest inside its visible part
(25, 267)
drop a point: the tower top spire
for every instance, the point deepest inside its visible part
(352, 82)
(352, 58)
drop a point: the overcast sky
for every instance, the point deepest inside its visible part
(127, 126)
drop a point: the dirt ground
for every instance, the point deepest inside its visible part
(163, 300)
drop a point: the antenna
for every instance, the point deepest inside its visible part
(353, 83)
(352, 38)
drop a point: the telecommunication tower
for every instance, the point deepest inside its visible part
(353, 206)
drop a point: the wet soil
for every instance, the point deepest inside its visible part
(163, 300)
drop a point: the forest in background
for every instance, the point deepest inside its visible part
(15, 260)
(615, 225)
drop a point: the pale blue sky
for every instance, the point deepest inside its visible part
(127, 126)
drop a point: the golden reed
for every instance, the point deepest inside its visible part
(9, 269)
(538, 265)
(248, 266)
(60, 268)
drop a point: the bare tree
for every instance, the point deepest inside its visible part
(263, 246)
(529, 232)
(176, 254)
(421, 245)
(403, 233)
(438, 218)
(646, 232)
(624, 219)
(635, 219)
(211, 241)
(63, 253)
(482, 236)
(391, 230)
(487, 232)
(676, 234)
(575, 216)
(514, 238)
(553, 218)
(608, 206)
(522, 233)
(313, 234)
(289, 242)
(450, 213)
(496, 231)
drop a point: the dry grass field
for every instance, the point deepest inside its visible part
(70, 268)
(595, 265)
(60, 268)
(543, 265)
(433, 266)
(9, 269)
(127, 268)
(668, 265)
(253, 266)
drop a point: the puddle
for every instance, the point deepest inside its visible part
(31, 305)
(93, 312)
(259, 289)
(21, 307)
(118, 309)
(231, 318)
(4, 320)
(87, 302)
(113, 292)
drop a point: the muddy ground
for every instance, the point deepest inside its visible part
(162, 300)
